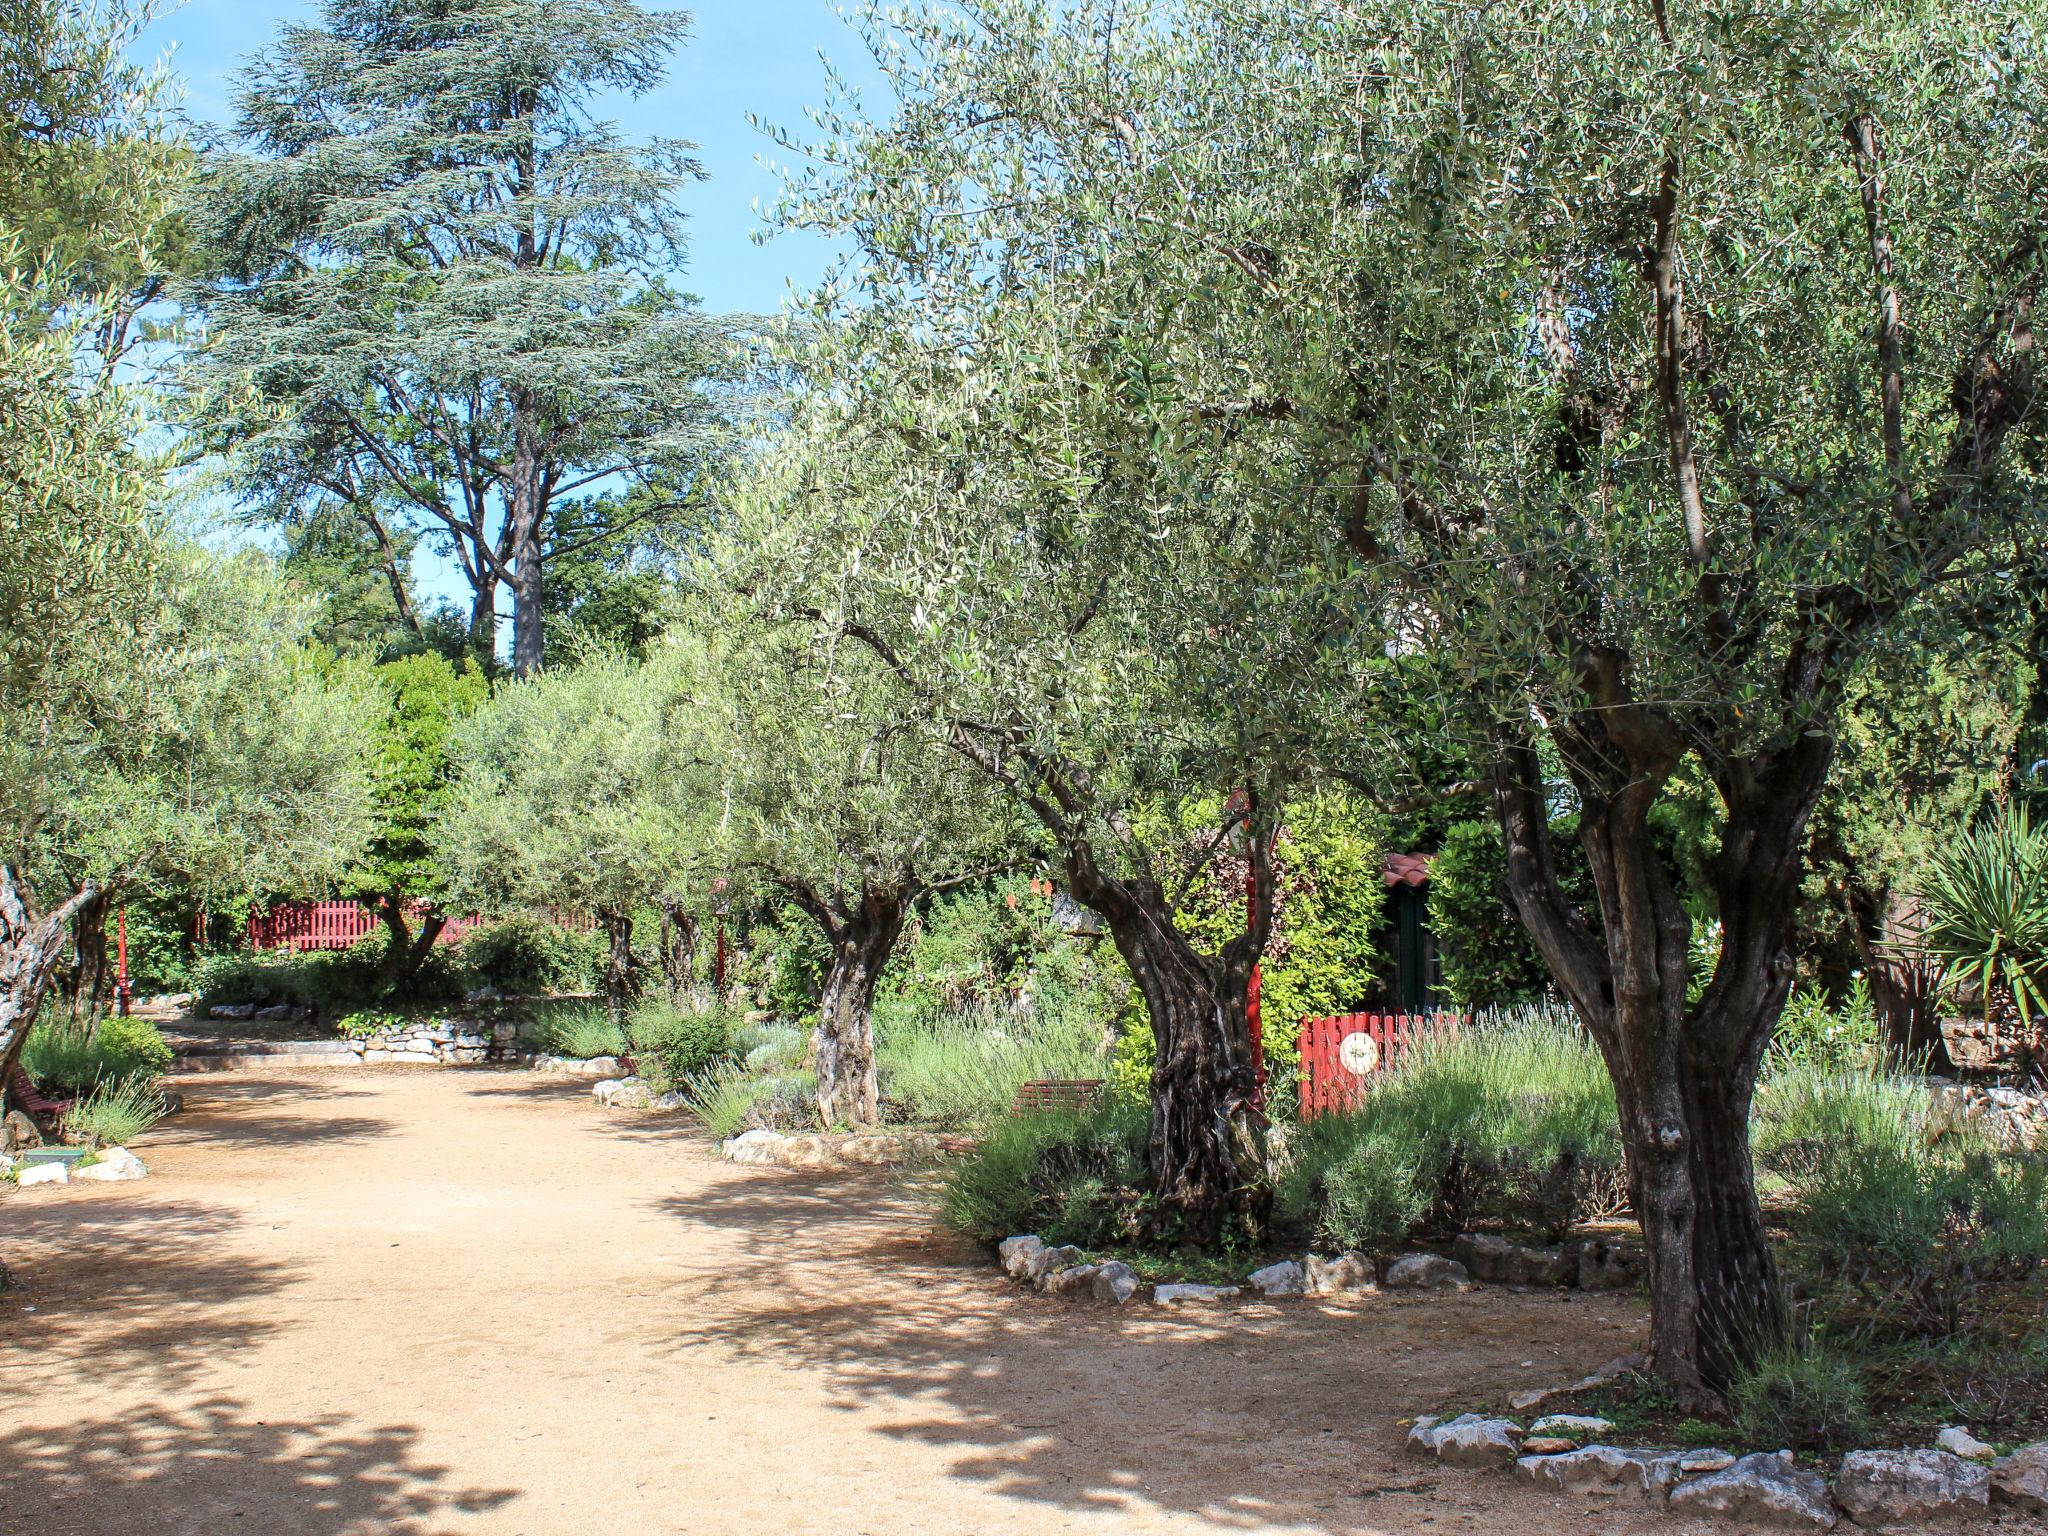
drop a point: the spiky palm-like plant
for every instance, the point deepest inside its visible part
(1986, 896)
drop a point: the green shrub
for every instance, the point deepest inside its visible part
(67, 1057)
(729, 1098)
(1812, 1035)
(529, 955)
(671, 1043)
(962, 1068)
(1512, 1120)
(770, 1047)
(330, 980)
(115, 1112)
(1986, 897)
(579, 1030)
(1805, 1395)
(1071, 1178)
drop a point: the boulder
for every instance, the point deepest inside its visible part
(1422, 1434)
(1072, 1279)
(416, 1058)
(1017, 1252)
(1548, 1445)
(1605, 1265)
(1115, 1282)
(1427, 1272)
(751, 1146)
(43, 1173)
(1581, 1427)
(623, 1093)
(1958, 1441)
(1349, 1274)
(1693, 1463)
(483, 995)
(2021, 1479)
(670, 1101)
(1171, 1295)
(1491, 1257)
(1893, 1487)
(1472, 1441)
(1287, 1278)
(1765, 1489)
(232, 1011)
(1605, 1469)
(18, 1131)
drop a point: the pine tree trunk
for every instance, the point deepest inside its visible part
(843, 1045)
(30, 948)
(618, 966)
(526, 507)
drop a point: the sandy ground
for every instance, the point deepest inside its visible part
(365, 1301)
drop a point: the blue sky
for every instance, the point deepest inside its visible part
(747, 56)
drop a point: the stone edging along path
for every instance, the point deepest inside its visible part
(1961, 1476)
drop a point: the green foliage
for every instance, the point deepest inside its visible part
(730, 1097)
(1071, 1178)
(794, 956)
(1512, 1120)
(961, 1069)
(1805, 1394)
(1986, 898)
(115, 1111)
(67, 1056)
(527, 954)
(1488, 958)
(330, 980)
(671, 1044)
(578, 1030)
(1814, 1037)
(424, 697)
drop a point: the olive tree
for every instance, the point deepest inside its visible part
(1655, 362)
(578, 788)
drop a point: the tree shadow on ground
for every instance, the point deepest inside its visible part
(226, 1110)
(129, 1291)
(211, 1467)
(1252, 1416)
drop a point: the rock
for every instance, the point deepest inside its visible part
(18, 1131)
(372, 1054)
(1604, 1265)
(1581, 1427)
(623, 1093)
(1548, 1445)
(1349, 1274)
(1427, 1272)
(417, 1058)
(1015, 1252)
(483, 995)
(467, 1055)
(276, 1014)
(1114, 1282)
(1886, 1487)
(2021, 1479)
(1171, 1295)
(115, 1165)
(1603, 1469)
(1473, 1440)
(670, 1101)
(1048, 1262)
(1767, 1488)
(1493, 1258)
(1072, 1278)
(596, 1066)
(750, 1146)
(1693, 1463)
(1287, 1278)
(43, 1173)
(1958, 1441)
(1422, 1434)
(231, 1011)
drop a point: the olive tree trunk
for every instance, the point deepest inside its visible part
(89, 968)
(1683, 1075)
(1206, 1151)
(678, 949)
(404, 951)
(619, 979)
(30, 948)
(861, 934)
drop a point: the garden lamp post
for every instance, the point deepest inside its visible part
(721, 903)
(121, 961)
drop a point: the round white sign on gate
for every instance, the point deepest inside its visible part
(1358, 1053)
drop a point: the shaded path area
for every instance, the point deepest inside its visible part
(365, 1301)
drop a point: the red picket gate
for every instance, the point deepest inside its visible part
(298, 925)
(1340, 1056)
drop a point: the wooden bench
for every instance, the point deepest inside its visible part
(1071, 1094)
(25, 1096)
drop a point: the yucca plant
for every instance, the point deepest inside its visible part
(1986, 899)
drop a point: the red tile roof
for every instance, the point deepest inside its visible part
(1410, 869)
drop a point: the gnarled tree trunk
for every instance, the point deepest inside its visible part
(1683, 1075)
(1207, 1147)
(861, 934)
(678, 949)
(619, 979)
(30, 948)
(404, 951)
(89, 970)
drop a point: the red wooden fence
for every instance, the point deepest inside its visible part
(297, 925)
(1340, 1056)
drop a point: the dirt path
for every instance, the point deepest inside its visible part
(365, 1301)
